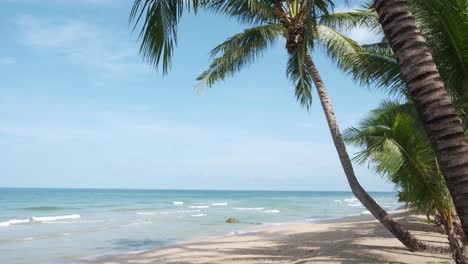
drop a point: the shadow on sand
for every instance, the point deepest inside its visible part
(339, 241)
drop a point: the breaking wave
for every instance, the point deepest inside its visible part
(41, 219)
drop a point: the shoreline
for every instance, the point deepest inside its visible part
(349, 239)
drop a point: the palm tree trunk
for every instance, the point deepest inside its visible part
(432, 101)
(455, 240)
(378, 212)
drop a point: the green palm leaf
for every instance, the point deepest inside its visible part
(297, 72)
(394, 143)
(158, 35)
(349, 20)
(238, 51)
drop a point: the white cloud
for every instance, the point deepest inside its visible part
(134, 133)
(346, 8)
(91, 143)
(7, 60)
(361, 34)
(82, 44)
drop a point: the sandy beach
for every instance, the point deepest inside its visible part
(357, 239)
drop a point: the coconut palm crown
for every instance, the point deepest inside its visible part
(303, 24)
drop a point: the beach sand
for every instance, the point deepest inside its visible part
(359, 239)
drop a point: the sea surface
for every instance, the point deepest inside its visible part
(70, 225)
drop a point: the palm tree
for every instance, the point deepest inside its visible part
(443, 24)
(394, 142)
(433, 103)
(294, 21)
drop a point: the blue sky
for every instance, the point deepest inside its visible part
(79, 108)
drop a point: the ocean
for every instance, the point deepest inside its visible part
(71, 225)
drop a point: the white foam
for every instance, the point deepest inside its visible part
(187, 211)
(351, 200)
(179, 212)
(274, 211)
(198, 215)
(199, 206)
(177, 203)
(219, 204)
(248, 208)
(366, 213)
(54, 218)
(39, 220)
(14, 222)
(18, 221)
(338, 201)
(146, 213)
(58, 222)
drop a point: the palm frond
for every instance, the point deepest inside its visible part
(349, 20)
(159, 20)
(337, 46)
(445, 25)
(311, 11)
(297, 72)
(394, 143)
(246, 11)
(238, 51)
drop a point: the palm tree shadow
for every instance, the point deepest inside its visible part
(345, 243)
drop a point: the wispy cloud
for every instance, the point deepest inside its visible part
(163, 143)
(361, 34)
(82, 44)
(7, 60)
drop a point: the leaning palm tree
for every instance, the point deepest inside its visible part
(294, 21)
(393, 141)
(432, 101)
(444, 26)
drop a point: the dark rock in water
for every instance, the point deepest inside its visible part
(232, 220)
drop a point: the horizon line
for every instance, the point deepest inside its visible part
(182, 189)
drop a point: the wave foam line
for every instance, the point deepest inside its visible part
(199, 206)
(14, 222)
(219, 204)
(38, 219)
(146, 213)
(54, 218)
(167, 212)
(248, 208)
(351, 200)
(198, 215)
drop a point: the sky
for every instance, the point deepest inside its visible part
(80, 109)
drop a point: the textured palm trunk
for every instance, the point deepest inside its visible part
(432, 101)
(455, 240)
(378, 212)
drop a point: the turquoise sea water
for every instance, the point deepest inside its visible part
(69, 225)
